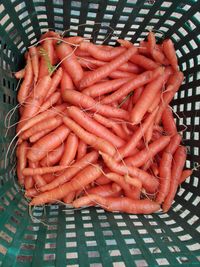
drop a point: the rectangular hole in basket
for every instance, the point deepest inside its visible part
(135, 251)
(72, 255)
(49, 257)
(26, 246)
(24, 258)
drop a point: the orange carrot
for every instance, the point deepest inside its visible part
(55, 82)
(74, 39)
(53, 99)
(179, 159)
(170, 53)
(144, 62)
(155, 103)
(185, 174)
(148, 153)
(70, 149)
(47, 50)
(21, 161)
(130, 85)
(27, 83)
(20, 74)
(28, 182)
(82, 149)
(168, 122)
(136, 94)
(118, 74)
(83, 178)
(149, 182)
(90, 139)
(125, 204)
(37, 136)
(66, 82)
(39, 180)
(87, 102)
(42, 170)
(106, 190)
(93, 126)
(71, 171)
(174, 143)
(47, 143)
(53, 157)
(35, 61)
(103, 71)
(70, 197)
(70, 63)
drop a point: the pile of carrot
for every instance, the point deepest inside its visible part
(96, 127)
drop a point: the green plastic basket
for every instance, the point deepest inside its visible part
(93, 237)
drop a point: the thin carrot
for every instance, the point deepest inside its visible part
(155, 103)
(21, 160)
(70, 197)
(136, 94)
(28, 182)
(106, 190)
(70, 149)
(47, 143)
(39, 180)
(83, 178)
(144, 62)
(90, 139)
(66, 82)
(185, 174)
(20, 74)
(118, 74)
(37, 136)
(47, 54)
(174, 143)
(104, 71)
(170, 53)
(55, 82)
(53, 157)
(52, 100)
(89, 124)
(71, 171)
(42, 170)
(168, 122)
(34, 61)
(82, 149)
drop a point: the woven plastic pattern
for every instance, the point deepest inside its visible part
(93, 237)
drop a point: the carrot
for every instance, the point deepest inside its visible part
(53, 99)
(74, 39)
(82, 149)
(48, 143)
(144, 62)
(70, 149)
(83, 178)
(70, 62)
(148, 153)
(155, 103)
(173, 85)
(66, 82)
(27, 83)
(147, 97)
(39, 180)
(118, 74)
(130, 85)
(101, 54)
(49, 177)
(102, 88)
(32, 192)
(103, 71)
(21, 161)
(179, 159)
(168, 122)
(53, 157)
(125, 204)
(35, 100)
(124, 43)
(28, 182)
(102, 180)
(136, 94)
(151, 41)
(44, 115)
(149, 133)
(52, 123)
(149, 182)
(47, 52)
(136, 137)
(170, 53)
(71, 171)
(70, 197)
(90, 139)
(42, 170)
(35, 137)
(107, 190)
(164, 176)
(93, 126)
(34, 61)
(20, 74)
(79, 99)
(185, 174)
(80, 53)
(174, 143)
(55, 82)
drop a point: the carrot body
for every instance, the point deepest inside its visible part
(83, 178)
(42, 170)
(66, 82)
(35, 137)
(71, 171)
(90, 139)
(55, 82)
(78, 99)
(185, 174)
(47, 50)
(93, 126)
(135, 138)
(70, 149)
(101, 54)
(48, 143)
(70, 197)
(168, 122)
(20, 74)
(179, 159)
(52, 157)
(149, 182)
(105, 191)
(118, 74)
(103, 71)
(35, 62)
(136, 94)
(102, 88)
(21, 161)
(52, 100)
(70, 63)
(130, 85)
(28, 182)
(127, 205)
(174, 143)
(148, 153)
(155, 103)
(27, 83)
(144, 62)
(82, 149)
(39, 180)
(170, 53)
(164, 176)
